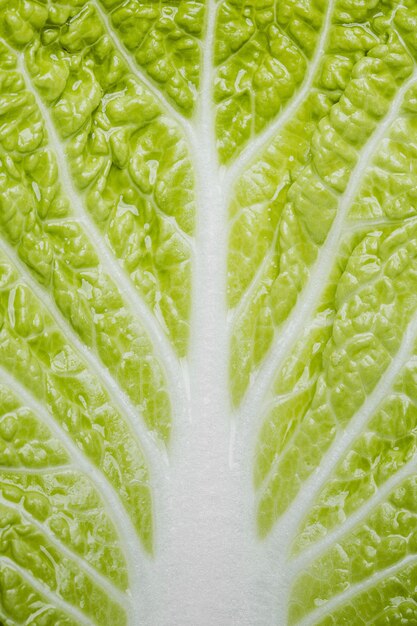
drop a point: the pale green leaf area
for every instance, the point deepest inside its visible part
(208, 313)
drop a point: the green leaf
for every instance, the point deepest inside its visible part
(208, 312)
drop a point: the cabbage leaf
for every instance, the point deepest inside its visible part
(208, 312)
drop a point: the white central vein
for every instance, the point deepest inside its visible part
(261, 141)
(202, 513)
(108, 262)
(136, 558)
(53, 597)
(305, 307)
(203, 568)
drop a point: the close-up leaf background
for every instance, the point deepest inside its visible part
(208, 312)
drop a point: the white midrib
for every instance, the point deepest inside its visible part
(206, 547)
(205, 565)
(199, 563)
(206, 554)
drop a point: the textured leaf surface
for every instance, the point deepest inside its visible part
(208, 312)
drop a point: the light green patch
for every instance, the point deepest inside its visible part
(384, 540)
(37, 221)
(20, 603)
(25, 441)
(310, 175)
(36, 352)
(262, 52)
(22, 544)
(312, 157)
(371, 315)
(164, 40)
